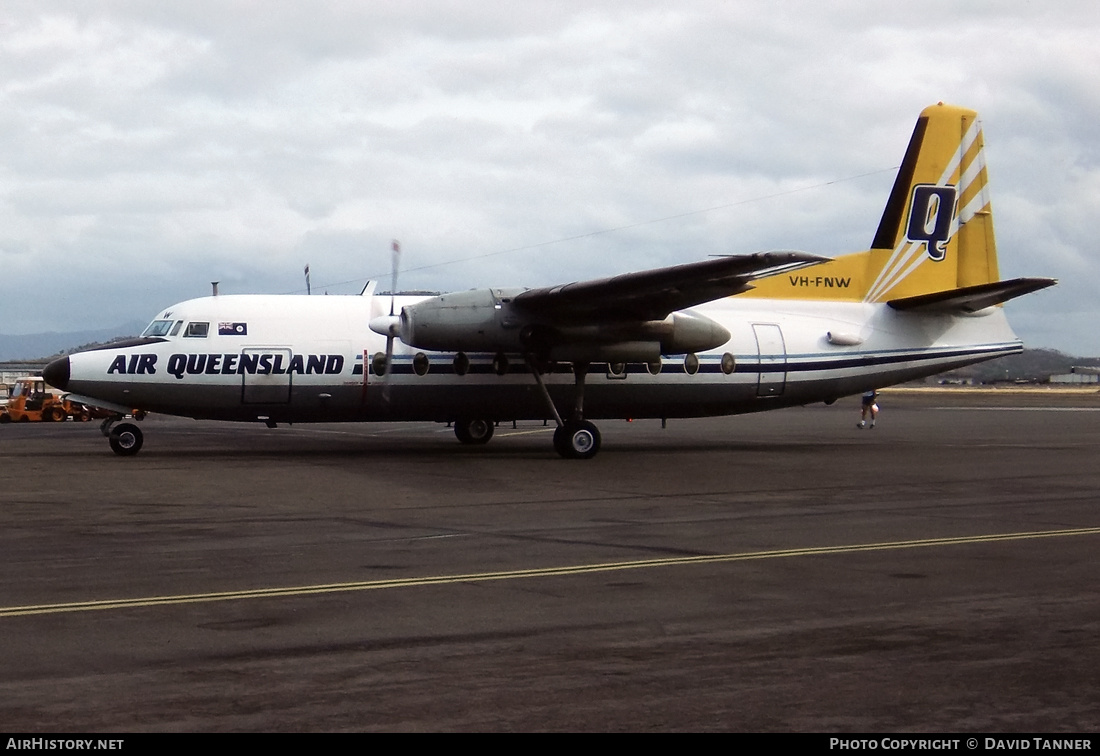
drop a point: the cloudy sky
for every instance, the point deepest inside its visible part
(148, 148)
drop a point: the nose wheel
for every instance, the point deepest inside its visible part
(126, 439)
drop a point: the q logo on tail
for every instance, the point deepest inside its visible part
(931, 213)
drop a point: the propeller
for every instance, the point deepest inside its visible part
(392, 322)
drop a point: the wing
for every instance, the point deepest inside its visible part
(624, 319)
(653, 294)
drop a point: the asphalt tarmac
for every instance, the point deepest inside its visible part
(774, 572)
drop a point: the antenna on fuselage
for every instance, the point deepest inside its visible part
(307, 279)
(214, 287)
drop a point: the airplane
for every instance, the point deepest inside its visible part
(722, 336)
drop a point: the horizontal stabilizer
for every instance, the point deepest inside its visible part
(971, 298)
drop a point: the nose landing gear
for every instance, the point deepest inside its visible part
(125, 439)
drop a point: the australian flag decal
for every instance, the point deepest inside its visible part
(232, 329)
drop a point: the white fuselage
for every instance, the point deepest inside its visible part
(309, 359)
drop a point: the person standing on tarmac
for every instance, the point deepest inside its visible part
(870, 407)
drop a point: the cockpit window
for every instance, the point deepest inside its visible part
(176, 327)
(158, 328)
(197, 330)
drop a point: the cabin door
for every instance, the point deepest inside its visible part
(771, 377)
(266, 380)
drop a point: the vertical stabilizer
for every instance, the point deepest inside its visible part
(936, 233)
(937, 230)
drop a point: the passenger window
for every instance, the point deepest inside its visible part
(197, 330)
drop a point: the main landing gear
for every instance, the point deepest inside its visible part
(125, 438)
(575, 438)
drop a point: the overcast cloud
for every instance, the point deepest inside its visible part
(150, 148)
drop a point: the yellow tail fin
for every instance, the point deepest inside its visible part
(936, 233)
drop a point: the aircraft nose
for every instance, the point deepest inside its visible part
(57, 373)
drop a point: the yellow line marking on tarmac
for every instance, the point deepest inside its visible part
(578, 569)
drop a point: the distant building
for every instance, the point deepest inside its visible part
(1078, 375)
(9, 371)
(954, 380)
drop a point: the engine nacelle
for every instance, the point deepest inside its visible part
(686, 332)
(485, 320)
(679, 333)
(466, 321)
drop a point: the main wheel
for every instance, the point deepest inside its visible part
(577, 439)
(126, 439)
(474, 431)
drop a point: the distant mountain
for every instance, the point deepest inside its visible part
(37, 346)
